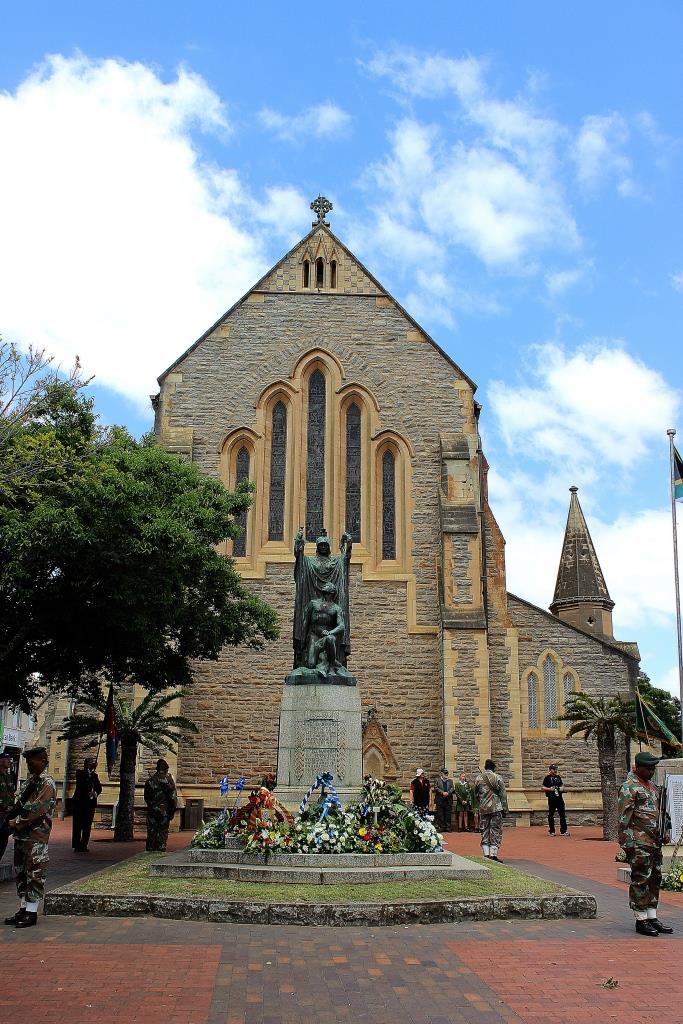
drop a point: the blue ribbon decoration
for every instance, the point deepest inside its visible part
(322, 781)
(225, 785)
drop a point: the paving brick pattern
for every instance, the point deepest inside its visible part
(87, 970)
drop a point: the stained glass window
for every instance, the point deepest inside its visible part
(550, 692)
(532, 684)
(278, 466)
(315, 475)
(239, 545)
(568, 684)
(353, 467)
(388, 506)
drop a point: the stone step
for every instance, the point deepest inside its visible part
(273, 872)
(320, 860)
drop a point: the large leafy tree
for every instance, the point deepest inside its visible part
(148, 724)
(602, 719)
(109, 568)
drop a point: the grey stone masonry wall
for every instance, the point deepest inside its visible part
(601, 669)
(235, 702)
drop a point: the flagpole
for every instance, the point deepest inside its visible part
(671, 434)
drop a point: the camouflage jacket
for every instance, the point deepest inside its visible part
(489, 790)
(638, 813)
(6, 792)
(160, 794)
(34, 822)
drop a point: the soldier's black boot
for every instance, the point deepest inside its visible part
(657, 924)
(15, 917)
(642, 927)
(29, 919)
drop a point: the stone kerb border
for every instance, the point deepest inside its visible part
(555, 907)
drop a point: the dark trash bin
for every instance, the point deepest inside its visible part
(193, 815)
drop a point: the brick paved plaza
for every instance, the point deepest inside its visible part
(83, 970)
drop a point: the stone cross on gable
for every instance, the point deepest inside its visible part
(321, 207)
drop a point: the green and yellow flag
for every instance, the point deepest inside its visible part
(678, 474)
(649, 725)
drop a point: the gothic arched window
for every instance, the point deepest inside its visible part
(307, 274)
(388, 506)
(353, 472)
(319, 272)
(315, 475)
(550, 692)
(568, 684)
(278, 469)
(239, 545)
(532, 689)
(333, 274)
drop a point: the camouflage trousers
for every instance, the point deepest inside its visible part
(30, 863)
(646, 877)
(157, 829)
(491, 827)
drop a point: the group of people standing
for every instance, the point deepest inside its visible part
(484, 797)
(28, 817)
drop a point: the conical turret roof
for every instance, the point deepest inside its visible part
(579, 577)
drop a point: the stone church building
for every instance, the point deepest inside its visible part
(321, 389)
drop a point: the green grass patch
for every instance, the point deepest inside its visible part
(132, 877)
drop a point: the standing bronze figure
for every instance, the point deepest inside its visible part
(321, 609)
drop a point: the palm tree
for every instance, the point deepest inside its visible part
(145, 724)
(602, 719)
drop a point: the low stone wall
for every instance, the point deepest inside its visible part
(555, 907)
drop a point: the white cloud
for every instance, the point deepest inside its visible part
(120, 243)
(599, 153)
(324, 120)
(641, 585)
(560, 281)
(670, 681)
(284, 209)
(677, 281)
(595, 404)
(486, 183)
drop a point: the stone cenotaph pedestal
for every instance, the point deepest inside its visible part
(320, 716)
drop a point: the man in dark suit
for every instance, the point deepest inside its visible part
(84, 801)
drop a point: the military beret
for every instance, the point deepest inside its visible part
(34, 752)
(646, 759)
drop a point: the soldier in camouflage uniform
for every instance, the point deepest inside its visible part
(6, 798)
(31, 826)
(642, 843)
(489, 790)
(161, 800)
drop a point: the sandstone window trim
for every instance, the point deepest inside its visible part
(390, 442)
(277, 442)
(545, 714)
(349, 395)
(238, 441)
(316, 475)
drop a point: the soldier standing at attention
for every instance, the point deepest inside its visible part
(161, 800)
(489, 789)
(6, 799)
(31, 823)
(642, 843)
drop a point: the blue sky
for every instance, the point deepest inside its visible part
(511, 173)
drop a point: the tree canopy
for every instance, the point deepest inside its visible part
(108, 562)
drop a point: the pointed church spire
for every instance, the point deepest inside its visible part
(581, 595)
